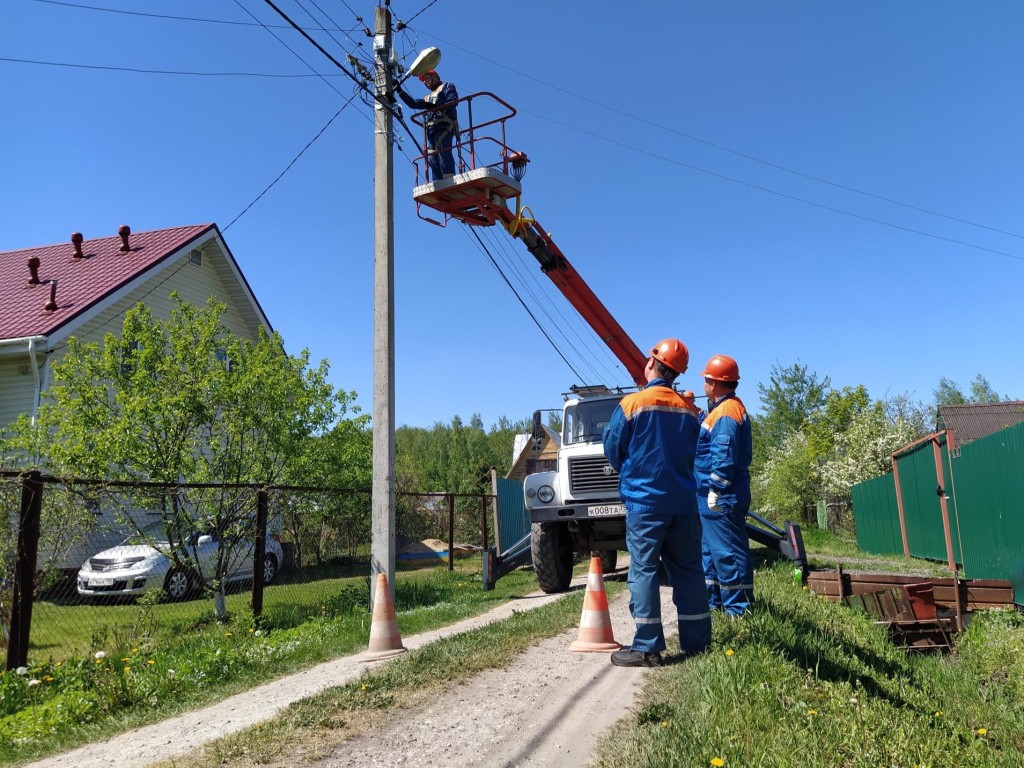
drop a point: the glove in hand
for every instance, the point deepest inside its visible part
(713, 500)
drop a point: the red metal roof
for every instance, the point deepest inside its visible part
(81, 283)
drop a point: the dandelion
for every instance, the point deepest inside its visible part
(58, 664)
(47, 679)
(717, 762)
(150, 662)
(258, 632)
(227, 634)
(730, 652)
(252, 631)
(33, 682)
(135, 650)
(812, 711)
(982, 731)
(171, 673)
(127, 670)
(938, 713)
(126, 659)
(21, 671)
(100, 655)
(664, 723)
(362, 688)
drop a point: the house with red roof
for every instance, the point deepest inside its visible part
(83, 288)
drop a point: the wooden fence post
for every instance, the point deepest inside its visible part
(451, 531)
(25, 565)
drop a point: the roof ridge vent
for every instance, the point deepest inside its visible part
(124, 230)
(51, 305)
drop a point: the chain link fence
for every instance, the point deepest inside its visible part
(88, 564)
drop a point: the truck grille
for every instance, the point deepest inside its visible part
(592, 474)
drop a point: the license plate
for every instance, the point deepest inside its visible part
(606, 510)
(101, 582)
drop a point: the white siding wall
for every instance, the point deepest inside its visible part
(16, 388)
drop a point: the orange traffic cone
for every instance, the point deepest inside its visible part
(595, 624)
(385, 641)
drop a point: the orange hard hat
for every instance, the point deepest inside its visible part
(672, 353)
(721, 368)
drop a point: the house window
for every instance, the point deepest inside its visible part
(222, 356)
(196, 257)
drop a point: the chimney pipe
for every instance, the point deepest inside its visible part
(124, 230)
(33, 271)
(76, 239)
(51, 305)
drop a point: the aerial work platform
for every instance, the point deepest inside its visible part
(473, 197)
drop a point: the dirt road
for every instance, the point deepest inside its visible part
(546, 708)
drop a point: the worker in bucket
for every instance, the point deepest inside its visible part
(651, 441)
(722, 469)
(442, 124)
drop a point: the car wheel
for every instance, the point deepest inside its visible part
(178, 585)
(269, 568)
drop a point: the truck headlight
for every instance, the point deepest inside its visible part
(530, 493)
(546, 493)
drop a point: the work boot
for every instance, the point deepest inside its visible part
(627, 657)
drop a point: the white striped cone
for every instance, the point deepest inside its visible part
(595, 623)
(385, 641)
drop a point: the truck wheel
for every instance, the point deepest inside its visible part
(551, 546)
(609, 559)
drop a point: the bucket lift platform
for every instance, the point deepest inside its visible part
(473, 197)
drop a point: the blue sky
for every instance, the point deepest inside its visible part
(702, 164)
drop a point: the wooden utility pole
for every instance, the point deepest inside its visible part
(383, 503)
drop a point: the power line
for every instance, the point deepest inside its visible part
(289, 166)
(402, 24)
(173, 18)
(472, 230)
(773, 191)
(159, 71)
(724, 148)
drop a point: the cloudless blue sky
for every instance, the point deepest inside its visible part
(698, 163)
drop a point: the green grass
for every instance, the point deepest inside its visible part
(806, 682)
(151, 668)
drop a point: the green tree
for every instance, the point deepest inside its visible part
(982, 392)
(183, 400)
(948, 392)
(791, 399)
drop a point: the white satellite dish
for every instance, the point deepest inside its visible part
(426, 61)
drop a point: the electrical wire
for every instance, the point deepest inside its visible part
(563, 324)
(403, 24)
(161, 71)
(771, 191)
(357, 43)
(293, 161)
(173, 18)
(722, 147)
(472, 231)
(562, 327)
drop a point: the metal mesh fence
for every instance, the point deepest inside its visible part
(121, 564)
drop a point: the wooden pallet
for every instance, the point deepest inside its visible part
(975, 594)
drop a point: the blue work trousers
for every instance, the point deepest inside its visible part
(653, 539)
(440, 158)
(728, 567)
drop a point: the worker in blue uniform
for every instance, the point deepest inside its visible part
(722, 470)
(442, 124)
(651, 440)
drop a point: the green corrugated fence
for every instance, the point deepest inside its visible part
(983, 482)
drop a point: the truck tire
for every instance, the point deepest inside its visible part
(551, 546)
(609, 559)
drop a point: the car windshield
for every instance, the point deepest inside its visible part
(585, 421)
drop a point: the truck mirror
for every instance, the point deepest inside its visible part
(538, 428)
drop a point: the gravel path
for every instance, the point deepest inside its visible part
(546, 708)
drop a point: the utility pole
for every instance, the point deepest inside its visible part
(383, 487)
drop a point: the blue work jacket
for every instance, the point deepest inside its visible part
(651, 441)
(724, 449)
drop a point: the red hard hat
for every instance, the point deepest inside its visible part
(428, 72)
(672, 353)
(721, 368)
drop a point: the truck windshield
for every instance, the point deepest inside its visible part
(585, 421)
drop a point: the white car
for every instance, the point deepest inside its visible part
(143, 563)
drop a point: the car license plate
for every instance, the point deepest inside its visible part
(606, 510)
(101, 582)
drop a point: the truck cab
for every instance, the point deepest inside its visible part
(576, 507)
